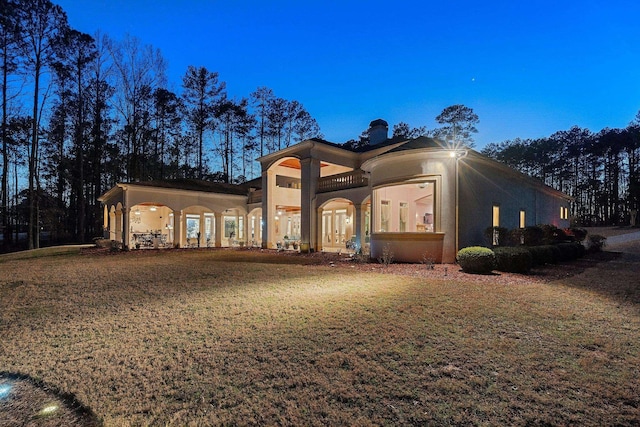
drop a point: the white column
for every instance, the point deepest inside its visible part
(219, 232)
(310, 173)
(268, 208)
(177, 229)
(358, 224)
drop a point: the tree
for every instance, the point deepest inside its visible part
(41, 23)
(74, 52)
(403, 130)
(139, 71)
(202, 94)
(277, 118)
(9, 39)
(305, 126)
(167, 121)
(260, 100)
(459, 125)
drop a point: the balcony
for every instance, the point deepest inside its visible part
(342, 181)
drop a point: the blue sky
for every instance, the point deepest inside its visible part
(527, 69)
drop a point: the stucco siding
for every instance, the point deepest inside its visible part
(483, 186)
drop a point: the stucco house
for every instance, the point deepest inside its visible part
(416, 197)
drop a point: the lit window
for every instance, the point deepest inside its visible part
(193, 226)
(385, 213)
(405, 208)
(496, 223)
(522, 219)
(404, 214)
(564, 212)
(496, 216)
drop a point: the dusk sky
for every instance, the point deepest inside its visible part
(527, 69)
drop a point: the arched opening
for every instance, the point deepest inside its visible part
(151, 226)
(233, 228)
(337, 225)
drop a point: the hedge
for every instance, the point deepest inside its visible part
(513, 260)
(476, 259)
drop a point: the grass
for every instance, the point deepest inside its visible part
(207, 338)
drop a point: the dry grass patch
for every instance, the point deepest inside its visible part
(206, 338)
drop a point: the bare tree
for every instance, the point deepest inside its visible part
(139, 71)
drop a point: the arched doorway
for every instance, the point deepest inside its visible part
(336, 225)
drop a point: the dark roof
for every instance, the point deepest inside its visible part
(197, 185)
(369, 147)
(418, 143)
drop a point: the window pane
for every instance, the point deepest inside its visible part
(405, 208)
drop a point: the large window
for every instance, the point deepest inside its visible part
(403, 216)
(414, 208)
(230, 227)
(193, 226)
(385, 215)
(208, 228)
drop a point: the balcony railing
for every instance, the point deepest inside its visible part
(342, 181)
(255, 196)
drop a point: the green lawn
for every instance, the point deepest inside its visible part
(209, 337)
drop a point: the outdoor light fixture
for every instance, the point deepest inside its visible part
(153, 209)
(4, 390)
(348, 220)
(137, 212)
(49, 409)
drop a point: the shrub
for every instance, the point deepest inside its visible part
(556, 255)
(476, 259)
(387, 255)
(533, 235)
(578, 233)
(568, 252)
(596, 242)
(541, 255)
(513, 260)
(496, 236)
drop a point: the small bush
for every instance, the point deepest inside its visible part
(513, 260)
(428, 261)
(596, 242)
(476, 259)
(387, 256)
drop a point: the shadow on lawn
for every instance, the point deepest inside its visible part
(27, 401)
(612, 274)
